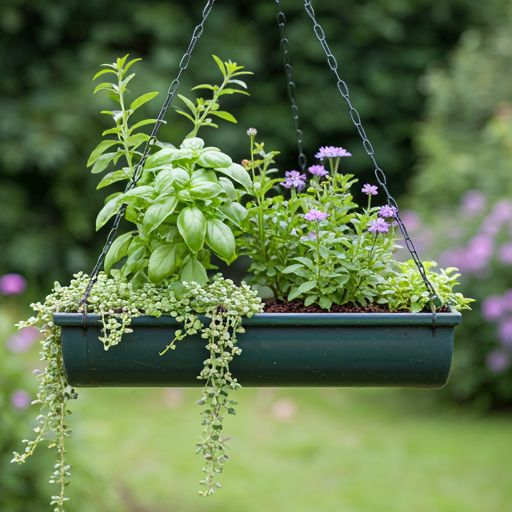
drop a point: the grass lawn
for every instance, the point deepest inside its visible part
(343, 450)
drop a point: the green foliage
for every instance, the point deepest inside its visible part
(221, 301)
(405, 289)
(468, 123)
(49, 124)
(463, 191)
(205, 108)
(337, 258)
(177, 204)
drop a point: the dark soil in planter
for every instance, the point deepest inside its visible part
(297, 306)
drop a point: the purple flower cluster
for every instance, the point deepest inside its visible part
(388, 211)
(370, 189)
(473, 202)
(315, 215)
(294, 179)
(498, 308)
(331, 152)
(475, 256)
(318, 170)
(379, 225)
(12, 284)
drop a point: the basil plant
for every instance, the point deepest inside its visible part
(186, 203)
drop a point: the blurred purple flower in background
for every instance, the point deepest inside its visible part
(505, 253)
(12, 284)
(473, 258)
(20, 399)
(473, 202)
(505, 332)
(502, 210)
(492, 308)
(411, 220)
(22, 340)
(498, 361)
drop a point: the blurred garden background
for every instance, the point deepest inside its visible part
(433, 84)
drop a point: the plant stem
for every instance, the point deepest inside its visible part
(124, 136)
(210, 105)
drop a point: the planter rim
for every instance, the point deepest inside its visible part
(442, 319)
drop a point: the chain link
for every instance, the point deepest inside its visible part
(139, 168)
(284, 44)
(379, 173)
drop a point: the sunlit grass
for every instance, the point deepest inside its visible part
(295, 450)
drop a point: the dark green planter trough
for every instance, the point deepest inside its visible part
(352, 349)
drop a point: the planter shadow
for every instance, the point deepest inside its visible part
(294, 350)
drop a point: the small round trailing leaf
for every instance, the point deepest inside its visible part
(221, 240)
(194, 143)
(192, 227)
(215, 159)
(163, 262)
(193, 270)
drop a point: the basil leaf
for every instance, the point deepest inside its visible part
(163, 262)
(192, 227)
(193, 270)
(237, 173)
(158, 212)
(215, 159)
(118, 250)
(221, 240)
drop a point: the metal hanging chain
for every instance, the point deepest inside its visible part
(284, 44)
(434, 300)
(139, 168)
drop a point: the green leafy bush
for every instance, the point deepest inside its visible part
(462, 192)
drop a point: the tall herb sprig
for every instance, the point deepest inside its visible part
(205, 108)
(186, 204)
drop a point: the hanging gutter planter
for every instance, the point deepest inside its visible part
(345, 349)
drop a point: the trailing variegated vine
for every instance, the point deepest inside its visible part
(220, 301)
